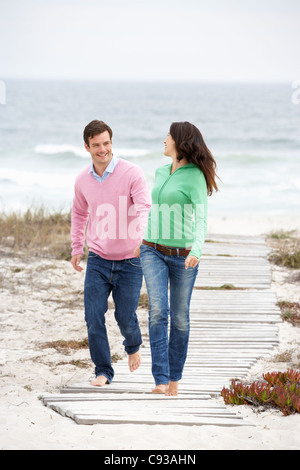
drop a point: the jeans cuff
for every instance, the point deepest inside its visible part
(110, 379)
(133, 351)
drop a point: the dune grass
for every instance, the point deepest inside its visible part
(36, 232)
(286, 248)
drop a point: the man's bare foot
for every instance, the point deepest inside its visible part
(162, 388)
(99, 381)
(172, 390)
(134, 361)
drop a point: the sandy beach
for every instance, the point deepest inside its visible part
(42, 307)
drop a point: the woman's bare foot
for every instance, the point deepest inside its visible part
(162, 388)
(99, 381)
(134, 361)
(172, 390)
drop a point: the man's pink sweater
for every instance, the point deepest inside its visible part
(115, 210)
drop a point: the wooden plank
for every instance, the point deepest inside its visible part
(107, 396)
(122, 387)
(202, 390)
(240, 262)
(269, 295)
(231, 297)
(233, 238)
(247, 251)
(163, 420)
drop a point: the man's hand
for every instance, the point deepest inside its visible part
(191, 261)
(75, 262)
(137, 251)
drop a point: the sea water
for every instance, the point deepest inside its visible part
(253, 131)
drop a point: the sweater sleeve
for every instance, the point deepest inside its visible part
(141, 200)
(199, 203)
(79, 218)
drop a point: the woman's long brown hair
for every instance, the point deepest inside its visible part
(190, 144)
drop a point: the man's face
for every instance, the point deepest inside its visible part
(100, 148)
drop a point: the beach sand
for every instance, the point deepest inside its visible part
(42, 302)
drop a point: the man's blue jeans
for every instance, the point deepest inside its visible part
(124, 279)
(168, 353)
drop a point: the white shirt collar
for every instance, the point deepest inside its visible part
(109, 169)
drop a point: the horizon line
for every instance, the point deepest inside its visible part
(153, 81)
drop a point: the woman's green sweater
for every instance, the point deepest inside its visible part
(179, 208)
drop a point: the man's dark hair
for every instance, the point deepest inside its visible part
(95, 128)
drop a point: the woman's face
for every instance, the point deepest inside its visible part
(170, 149)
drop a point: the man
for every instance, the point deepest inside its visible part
(112, 200)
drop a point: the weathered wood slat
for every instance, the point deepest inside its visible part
(168, 419)
(230, 331)
(106, 396)
(139, 387)
(223, 249)
(239, 239)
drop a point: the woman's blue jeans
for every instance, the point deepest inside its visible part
(168, 351)
(124, 279)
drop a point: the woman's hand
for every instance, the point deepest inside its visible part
(191, 262)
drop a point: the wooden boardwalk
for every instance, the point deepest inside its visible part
(230, 330)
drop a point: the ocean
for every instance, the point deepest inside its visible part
(253, 131)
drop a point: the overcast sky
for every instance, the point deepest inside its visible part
(193, 40)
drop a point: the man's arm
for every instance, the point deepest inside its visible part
(142, 203)
(79, 220)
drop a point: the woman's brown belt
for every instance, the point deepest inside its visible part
(167, 250)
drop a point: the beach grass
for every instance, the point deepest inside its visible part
(290, 311)
(62, 345)
(286, 248)
(67, 347)
(36, 232)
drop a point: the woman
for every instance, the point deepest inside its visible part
(171, 249)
